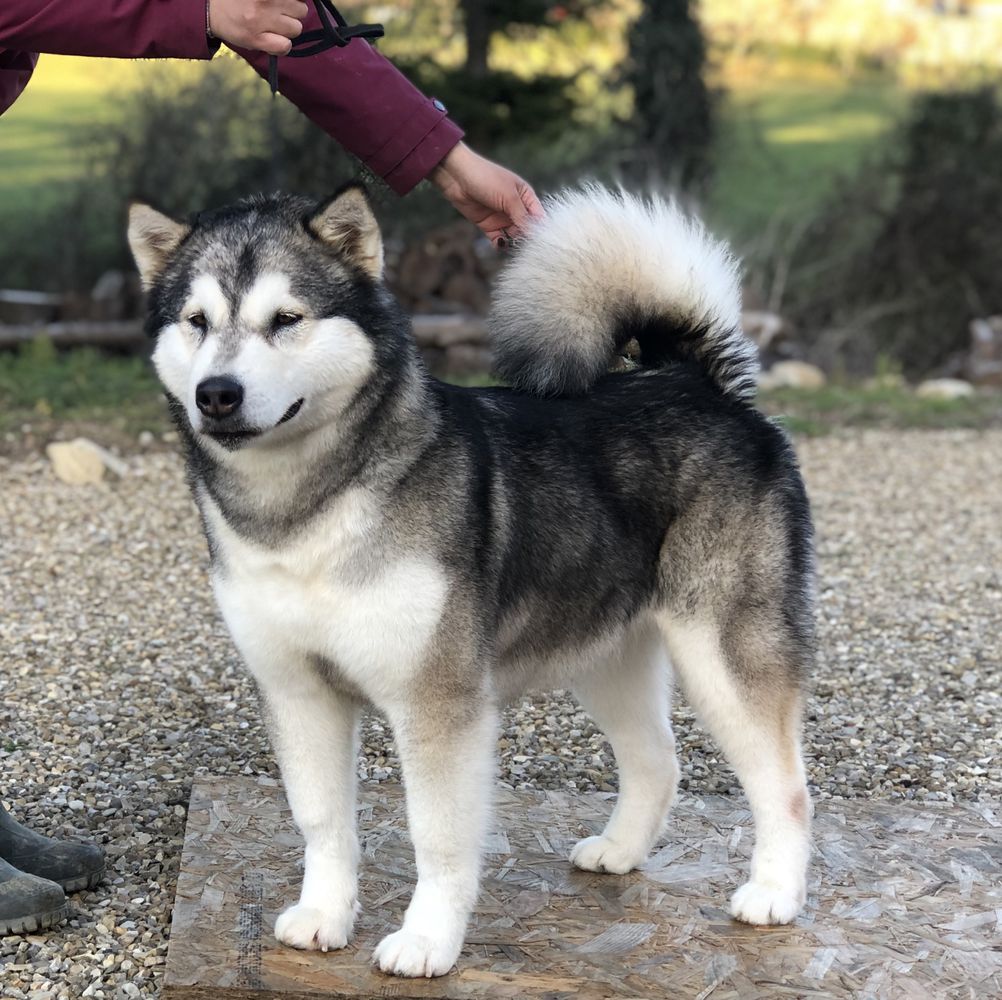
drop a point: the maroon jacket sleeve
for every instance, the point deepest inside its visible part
(15, 71)
(126, 29)
(361, 99)
(117, 28)
(353, 93)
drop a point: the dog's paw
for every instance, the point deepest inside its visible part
(415, 955)
(765, 903)
(313, 929)
(599, 854)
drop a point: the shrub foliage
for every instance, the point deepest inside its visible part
(910, 250)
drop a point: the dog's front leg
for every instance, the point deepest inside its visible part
(314, 730)
(447, 749)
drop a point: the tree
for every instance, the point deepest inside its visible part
(673, 108)
(494, 105)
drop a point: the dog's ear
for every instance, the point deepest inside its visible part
(153, 237)
(346, 224)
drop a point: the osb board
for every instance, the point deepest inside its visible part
(905, 902)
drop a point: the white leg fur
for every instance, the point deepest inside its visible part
(315, 733)
(630, 700)
(448, 764)
(765, 754)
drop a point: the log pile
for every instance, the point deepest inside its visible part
(450, 269)
(453, 344)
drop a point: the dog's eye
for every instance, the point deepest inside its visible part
(286, 319)
(198, 321)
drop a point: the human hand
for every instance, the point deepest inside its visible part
(493, 198)
(264, 25)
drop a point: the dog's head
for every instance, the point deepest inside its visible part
(266, 314)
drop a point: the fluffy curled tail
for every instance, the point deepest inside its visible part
(606, 267)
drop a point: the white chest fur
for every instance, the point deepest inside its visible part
(329, 593)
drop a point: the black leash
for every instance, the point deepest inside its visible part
(334, 31)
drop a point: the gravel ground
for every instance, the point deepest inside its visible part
(119, 685)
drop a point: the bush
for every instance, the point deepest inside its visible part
(185, 141)
(910, 250)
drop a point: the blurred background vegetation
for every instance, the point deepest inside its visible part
(848, 148)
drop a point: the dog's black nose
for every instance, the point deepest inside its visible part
(219, 397)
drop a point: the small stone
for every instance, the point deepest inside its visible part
(81, 461)
(792, 375)
(888, 380)
(944, 389)
(75, 463)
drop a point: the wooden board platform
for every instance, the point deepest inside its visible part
(905, 902)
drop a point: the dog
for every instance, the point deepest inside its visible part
(378, 537)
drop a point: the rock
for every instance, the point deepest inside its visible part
(889, 380)
(765, 328)
(75, 463)
(793, 375)
(82, 461)
(983, 365)
(944, 388)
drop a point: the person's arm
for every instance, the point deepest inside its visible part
(15, 71)
(365, 103)
(130, 29)
(353, 93)
(160, 29)
(116, 28)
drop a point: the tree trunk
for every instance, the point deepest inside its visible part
(478, 36)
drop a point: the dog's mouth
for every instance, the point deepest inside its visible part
(232, 438)
(291, 412)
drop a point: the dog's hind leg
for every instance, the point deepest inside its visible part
(746, 691)
(314, 730)
(629, 697)
(447, 745)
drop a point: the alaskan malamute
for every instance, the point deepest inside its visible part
(379, 537)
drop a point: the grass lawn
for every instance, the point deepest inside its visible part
(815, 412)
(44, 389)
(789, 128)
(37, 133)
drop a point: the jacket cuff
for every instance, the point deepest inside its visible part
(415, 150)
(184, 35)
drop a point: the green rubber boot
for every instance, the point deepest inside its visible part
(28, 903)
(71, 866)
